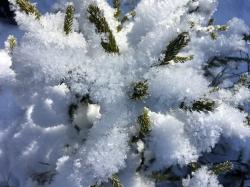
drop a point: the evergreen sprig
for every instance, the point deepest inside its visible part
(202, 105)
(246, 37)
(221, 28)
(222, 167)
(126, 18)
(117, 7)
(175, 46)
(116, 181)
(97, 18)
(11, 42)
(69, 18)
(28, 8)
(180, 59)
(216, 29)
(140, 90)
(145, 124)
(213, 35)
(194, 166)
(248, 120)
(210, 22)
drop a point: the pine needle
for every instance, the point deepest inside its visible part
(246, 37)
(116, 181)
(28, 8)
(222, 28)
(69, 18)
(11, 42)
(175, 47)
(180, 59)
(210, 22)
(145, 125)
(213, 35)
(203, 105)
(96, 17)
(222, 167)
(117, 6)
(140, 90)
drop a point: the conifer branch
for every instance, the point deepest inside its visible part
(202, 105)
(69, 18)
(221, 28)
(145, 124)
(140, 90)
(116, 181)
(213, 29)
(194, 166)
(246, 37)
(217, 61)
(117, 7)
(222, 167)
(175, 47)
(96, 17)
(180, 59)
(248, 120)
(216, 27)
(28, 8)
(126, 18)
(213, 36)
(210, 22)
(11, 42)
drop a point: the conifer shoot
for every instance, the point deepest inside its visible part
(28, 8)
(69, 18)
(175, 46)
(97, 18)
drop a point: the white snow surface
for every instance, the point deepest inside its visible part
(37, 135)
(202, 178)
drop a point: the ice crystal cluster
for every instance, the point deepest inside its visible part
(124, 93)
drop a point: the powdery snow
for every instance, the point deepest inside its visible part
(48, 72)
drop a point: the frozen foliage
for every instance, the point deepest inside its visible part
(68, 115)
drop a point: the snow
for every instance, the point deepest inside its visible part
(167, 134)
(202, 178)
(48, 71)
